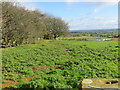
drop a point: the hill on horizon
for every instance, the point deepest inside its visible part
(94, 30)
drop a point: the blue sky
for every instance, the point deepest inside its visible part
(81, 15)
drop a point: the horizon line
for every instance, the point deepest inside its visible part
(96, 29)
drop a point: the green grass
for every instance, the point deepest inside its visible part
(87, 37)
(92, 44)
(77, 60)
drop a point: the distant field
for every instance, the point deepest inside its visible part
(76, 37)
(58, 64)
(92, 44)
(84, 37)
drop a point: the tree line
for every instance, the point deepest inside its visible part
(23, 26)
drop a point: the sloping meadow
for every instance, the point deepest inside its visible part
(59, 64)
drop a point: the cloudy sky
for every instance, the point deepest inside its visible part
(81, 15)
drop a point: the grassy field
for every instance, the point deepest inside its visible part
(92, 44)
(58, 64)
(84, 37)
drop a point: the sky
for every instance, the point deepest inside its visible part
(80, 15)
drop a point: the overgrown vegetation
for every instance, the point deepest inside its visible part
(20, 25)
(60, 64)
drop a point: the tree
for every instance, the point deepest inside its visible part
(20, 25)
(56, 27)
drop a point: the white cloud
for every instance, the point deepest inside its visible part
(104, 2)
(61, 0)
(70, 0)
(107, 1)
(29, 6)
(92, 23)
(101, 6)
(95, 10)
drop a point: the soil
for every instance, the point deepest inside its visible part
(28, 79)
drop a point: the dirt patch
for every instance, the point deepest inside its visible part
(115, 39)
(67, 54)
(40, 68)
(28, 79)
(9, 83)
(44, 67)
(15, 82)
